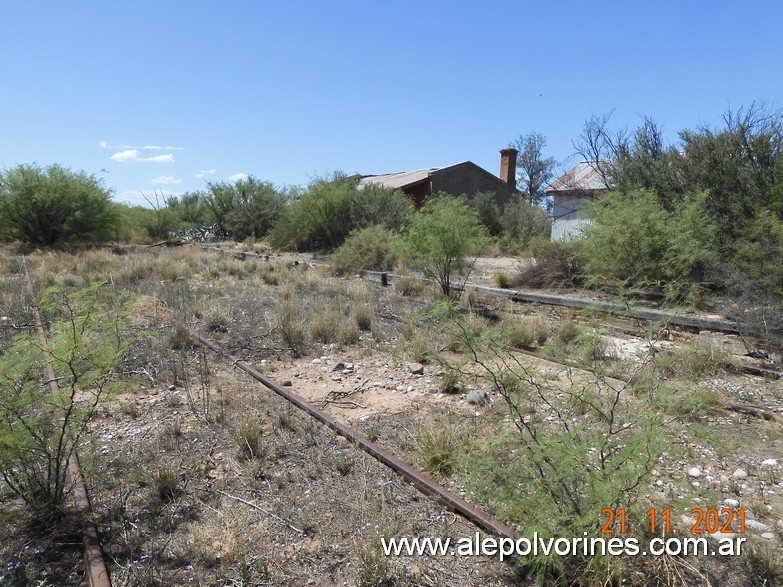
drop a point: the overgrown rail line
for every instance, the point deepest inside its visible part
(95, 570)
(424, 484)
(648, 315)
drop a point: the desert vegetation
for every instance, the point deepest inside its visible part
(198, 476)
(544, 418)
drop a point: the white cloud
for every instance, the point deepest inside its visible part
(105, 145)
(166, 180)
(237, 177)
(160, 148)
(133, 155)
(204, 172)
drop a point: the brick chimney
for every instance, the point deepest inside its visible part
(508, 167)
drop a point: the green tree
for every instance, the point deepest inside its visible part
(647, 162)
(441, 238)
(190, 208)
(489, 212)
(332, 207)
(522, 222)
(52, 206)
(247, 208)
(536, 171)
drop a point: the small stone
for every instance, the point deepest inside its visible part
(399, 388)
(337, 378)
(739, 474)
(769, 463)
(731, 503)
(724, 479)
(316, 361)
(336, 366)
(768, 536)
(477, 397)
(694, 472)
(756, 525)
(432, 390)
(416, 368)
(172, 387)
(286, 383)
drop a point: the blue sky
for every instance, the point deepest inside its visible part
(290, 90)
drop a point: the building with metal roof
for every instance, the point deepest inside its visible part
(571, 193)
(460, 178)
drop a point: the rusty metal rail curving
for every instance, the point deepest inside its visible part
(424, 484)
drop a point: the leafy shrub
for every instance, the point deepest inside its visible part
(522, 222)
(367, 248)
(486, 206)
(441, 237)
(331, 208)
(635, 241)
(54, 205)
(40, 428)
(247, 208)
(569, 468)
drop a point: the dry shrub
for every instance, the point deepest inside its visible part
(437, 446)
(409, 286)
(247, 437)
(363, 315)
(325, 326)
(555, 266)
(216, 318)
(502, 279)
(181, 337)
(292, 324)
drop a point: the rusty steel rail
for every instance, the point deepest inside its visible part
(96, 573)
(424, 484)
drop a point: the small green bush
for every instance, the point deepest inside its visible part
(367, 248)
(438, 447)
(441, 238)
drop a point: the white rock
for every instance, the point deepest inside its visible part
(731, 503)
(694, 472)
(739, 474)
(756, 525)
(316, 361)
(769, 463)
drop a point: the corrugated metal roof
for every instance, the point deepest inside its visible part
(583, 176)
(397, 180)
(403, 179)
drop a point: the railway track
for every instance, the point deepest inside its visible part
(423, 483)
(96, 574)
